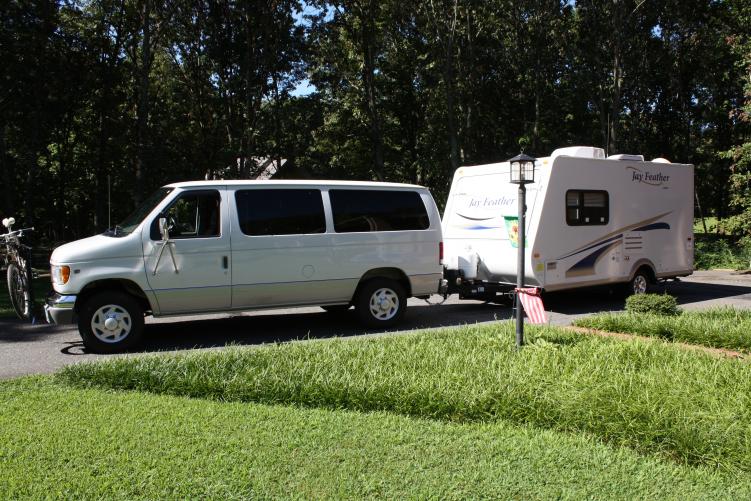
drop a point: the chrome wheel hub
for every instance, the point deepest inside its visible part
(384, 304)
(111, 323)
(640, 284)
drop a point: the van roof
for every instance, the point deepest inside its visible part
(291, 182)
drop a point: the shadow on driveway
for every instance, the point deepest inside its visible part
(273, 327)
(255, 328)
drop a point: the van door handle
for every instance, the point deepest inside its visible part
(225, 262)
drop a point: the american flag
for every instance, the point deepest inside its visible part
(533, 307)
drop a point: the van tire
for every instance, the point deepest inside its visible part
(110, 322)
(381, 302)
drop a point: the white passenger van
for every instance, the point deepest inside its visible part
(218, 246)
(591, 220)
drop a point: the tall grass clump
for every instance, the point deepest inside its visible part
(727, 328)
(648, 396)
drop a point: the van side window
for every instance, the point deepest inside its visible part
(192, 215)
(587, 207)
(280, 211)
(378, 210)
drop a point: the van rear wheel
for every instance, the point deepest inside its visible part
(110, 322)
(381, 302)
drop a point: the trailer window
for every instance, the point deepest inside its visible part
(280, 211)
(378, 210)
(587, 208)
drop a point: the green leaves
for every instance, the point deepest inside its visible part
(400, 91)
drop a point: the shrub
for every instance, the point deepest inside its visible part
(719, 251)
(657, 304)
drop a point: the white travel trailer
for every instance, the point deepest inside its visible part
(591, 220)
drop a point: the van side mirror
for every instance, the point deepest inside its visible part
(163, 229)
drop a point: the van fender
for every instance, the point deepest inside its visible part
(391, 273)
(120, 284)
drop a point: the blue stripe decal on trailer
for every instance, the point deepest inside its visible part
(654, 226)
(593, 246)
(619, 232)
(587, 265)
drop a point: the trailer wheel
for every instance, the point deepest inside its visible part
(110, 322)
(640, 283)
(381, 302)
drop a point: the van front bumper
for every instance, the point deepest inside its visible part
(59, 309)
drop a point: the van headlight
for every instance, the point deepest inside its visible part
(60, 274)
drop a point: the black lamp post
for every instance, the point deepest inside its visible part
(522, 172)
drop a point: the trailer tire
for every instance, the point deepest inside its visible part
(639, 284)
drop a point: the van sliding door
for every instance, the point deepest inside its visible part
(280, 250)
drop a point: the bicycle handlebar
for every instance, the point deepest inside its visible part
(15, 233)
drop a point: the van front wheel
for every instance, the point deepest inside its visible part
(110, 322)
(381, 303)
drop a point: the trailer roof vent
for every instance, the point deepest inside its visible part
(579, 151)
(630, 158)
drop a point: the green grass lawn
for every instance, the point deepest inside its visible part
(57, 441)
(717, 328)
(684, 406)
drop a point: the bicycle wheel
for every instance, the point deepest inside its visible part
(19, 289)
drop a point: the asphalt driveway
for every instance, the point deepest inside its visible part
(31, 349)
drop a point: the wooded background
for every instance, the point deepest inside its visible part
(146, 93)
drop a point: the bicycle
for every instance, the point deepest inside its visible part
(17, 262)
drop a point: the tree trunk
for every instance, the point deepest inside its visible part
(7, 175)
(142, 109)
(376, 134)
(448, 82)
(245, 138)
(615, 101)
(109, 60)
(469, 137)
(448, 77)
(32, 168)
(99, 216)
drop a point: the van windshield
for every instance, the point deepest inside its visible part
(130, 223)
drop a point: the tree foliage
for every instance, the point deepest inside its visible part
(101, 102)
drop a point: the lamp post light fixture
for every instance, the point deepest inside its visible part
(521, 172)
